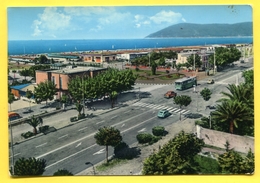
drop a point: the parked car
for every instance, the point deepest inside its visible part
(211, 81)
(170, 94)
(163, 113)
(13, 116)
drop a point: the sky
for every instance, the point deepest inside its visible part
(113, 22)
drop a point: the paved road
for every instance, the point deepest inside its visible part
(72, 146)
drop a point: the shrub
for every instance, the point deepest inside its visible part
(137, 69)
(154, 140)
(42, 129)
(158, 131)
(27, 134)
(144, 138)
(122, 151)
(81, 116)
(72, 119)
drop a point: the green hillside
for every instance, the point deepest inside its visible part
(205, 30)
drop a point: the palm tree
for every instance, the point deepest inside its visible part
(34, 122)
(232, 112)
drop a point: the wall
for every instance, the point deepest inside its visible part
(218, 139)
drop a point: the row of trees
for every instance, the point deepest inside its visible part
(110, 83)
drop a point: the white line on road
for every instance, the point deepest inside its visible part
(100, 122)
(15, 155)
(142, 130)
(114, 117)
(70, 156)
(186, 112)
(78, 144)
(89, 146)
(63, 136)
(123, 125)
(90, 135)
(41, 145)
(100, 151)
(82, 128)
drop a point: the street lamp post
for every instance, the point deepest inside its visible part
(89, 163)
(209, 121)
(12, 146)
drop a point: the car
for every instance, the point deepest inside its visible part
(13, 116)
(211, 81)
(170, 94)
(163, 113)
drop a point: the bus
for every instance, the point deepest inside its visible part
(185, 83)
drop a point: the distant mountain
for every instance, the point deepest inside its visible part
(205, 30)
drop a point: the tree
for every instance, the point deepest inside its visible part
(190, 61)
(205, 93)
(29, 167)
(233, 163)
(14, 71)
(34, 122)
(108, 136)
(176, 157)
(44, 91)
(79, 108)
(225, 56)
(182, 100)
(249, 77)
(24, 73)
(11, 99)
(153, 67)
(62, 172)
(29, 95)
(233, 113)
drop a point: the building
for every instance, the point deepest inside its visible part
(183, 57)
(130, 56)
(19, 91)
(98, 57)
(61, 76)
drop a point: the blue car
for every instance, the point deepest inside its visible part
(163, 113)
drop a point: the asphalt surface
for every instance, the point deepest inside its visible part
(73, 144)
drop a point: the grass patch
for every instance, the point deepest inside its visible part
(111, 163)
(207, 165)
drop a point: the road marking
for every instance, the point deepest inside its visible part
(78, 144)
(41, 145)
(177, 110)
(87, 147)
(186, 112)
(114, 117)
(142, 130)
(182, 111)
(82, 128)
(126, 111)
(70, 156)
(90, 135)
(123, 125)
(100, 122)
(100, 151)
(15, 155)
(174, 109)
(63, 136)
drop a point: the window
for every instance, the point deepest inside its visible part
(60, 82)
(53, 79)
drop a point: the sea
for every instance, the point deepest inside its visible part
(21, 47)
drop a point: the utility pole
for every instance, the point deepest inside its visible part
(149, 58)
(194, 62)
(83, 99)
(12, 146)
(214, 64)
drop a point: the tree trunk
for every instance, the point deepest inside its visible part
(107, 153)
(35, 130)
(231, 127)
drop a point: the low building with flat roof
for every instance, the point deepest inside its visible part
(62, 76)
